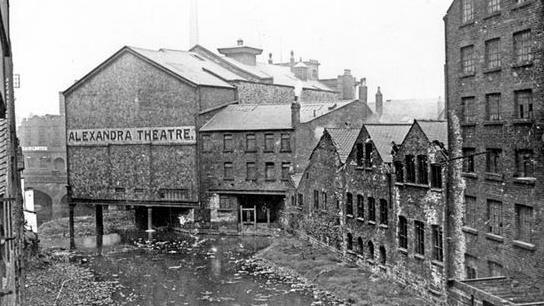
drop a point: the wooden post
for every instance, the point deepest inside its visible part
(99, 225)
(268, 216)
(71, 207)
(149, 219)
(255, 217)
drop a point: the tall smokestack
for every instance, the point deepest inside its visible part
(363, 91)
(379, 102)
(193, 24)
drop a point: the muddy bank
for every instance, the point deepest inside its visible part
(331, 280)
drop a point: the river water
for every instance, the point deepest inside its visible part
(189, 270)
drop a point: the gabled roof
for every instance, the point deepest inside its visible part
(383, 136)
(253, 117)
(435, 130)
(343, 139)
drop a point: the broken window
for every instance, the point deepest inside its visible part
(371, 209)
(383, 212)
(494, 217)
(410, 169)
(524, 223)
(438, 249)
(422, 170)
(493, 107)
(403, 232)
(436, 176)
(349, 204)
(524, 104)
(419, 236)
(360, 207)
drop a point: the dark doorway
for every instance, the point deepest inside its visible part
(267, 207)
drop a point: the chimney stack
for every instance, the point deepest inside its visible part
(62, 107)
(295, 114)
(240, 42)
(346, 85)
(363, 91)
(301, 71)
(270, 58)
(292, 60)
(243, 54)
(379, 102)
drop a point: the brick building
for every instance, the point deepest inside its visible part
(494, 96)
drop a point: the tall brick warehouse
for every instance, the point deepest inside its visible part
(495, 104)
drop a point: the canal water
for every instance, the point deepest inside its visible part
(189, 270)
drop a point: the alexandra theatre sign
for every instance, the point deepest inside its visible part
(144, 135)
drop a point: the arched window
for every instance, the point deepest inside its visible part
(59, 164)
(370, 250)
(349, 242)
(382, 255)
(360, 246)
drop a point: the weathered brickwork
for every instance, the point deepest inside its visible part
(127, 91)
(314, 95)
(424, 202)
(500, 250)
(260, 93)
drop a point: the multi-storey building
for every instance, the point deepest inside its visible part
(494, 96)
(11, 214)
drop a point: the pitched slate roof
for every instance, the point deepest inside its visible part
(241, 117)
(190, 66)
(435, 130)
(383, 135)
(343, 139)
(3, 155)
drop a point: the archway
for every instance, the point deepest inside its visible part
(43, 206)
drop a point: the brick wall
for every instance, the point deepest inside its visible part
(313, 95)
(260, 93)
(509, 134)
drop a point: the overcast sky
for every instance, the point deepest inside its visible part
(395, 44)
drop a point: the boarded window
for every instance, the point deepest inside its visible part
(227, 172)
(524, 223)
(419, 236)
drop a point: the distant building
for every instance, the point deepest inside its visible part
(495, 106)
(43, 141)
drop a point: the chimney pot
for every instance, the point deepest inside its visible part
(270, 58)
(295, 114)
(379, 102)
(347, 72)
(240, 42)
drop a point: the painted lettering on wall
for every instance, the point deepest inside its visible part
(146, 135)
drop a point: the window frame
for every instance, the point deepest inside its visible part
(493, 107)
(285, 142)
(251, 176)
(360, 206)
(419, 237)
(228, 143)
(269, 142)
(493, 163)
(467, 11)
(371, 203)
(410, 168)
(493, 58)
(228, 171)
(468, 62)
(522, 44)
(251, 142)
(384, 212)
(436, 175)
(524, 99)
(207, 145)
(495, 217)
(438, 243)
(403, 233)
(349, 204)
(524, 223)
(422, 170)
(285, 169)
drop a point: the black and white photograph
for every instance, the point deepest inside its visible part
(259, 153)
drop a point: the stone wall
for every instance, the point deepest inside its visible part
(261, 93)
(509, 134)
(314, 95)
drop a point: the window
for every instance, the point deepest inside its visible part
(360, 207)
(493, 106)
(383, 212)
(285, 144)
(227, 172)
(370, 248)
(119, 190)
(493, 162)
(368, 154)
(324, 195)
(467, 60)
(399, 172)
(337, 204)
(269, 171)
(316, 200)
(524, 163)
(285, 168)
(410, 169)
(360, 154)
(227, 143)
(251, 171)
(422, 175)
(493, 6)
(522, 47)
(403, 232)
(269, 142)
(470, 217)
(227, 202)
(438, 248)
(470, 266)
(383, 255)
(371, 209)
(436, 176)
(524, 104)
(300, 199)
(468, 160)
(470, 112)
(467, 7)
(251, 143)
(493, 53)
(360, 246)
(349, 204)
(206, 143)
(495, 268)
(293, 201)
(524, 223)
(419, 236)
(494, 217)
(349, 242)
